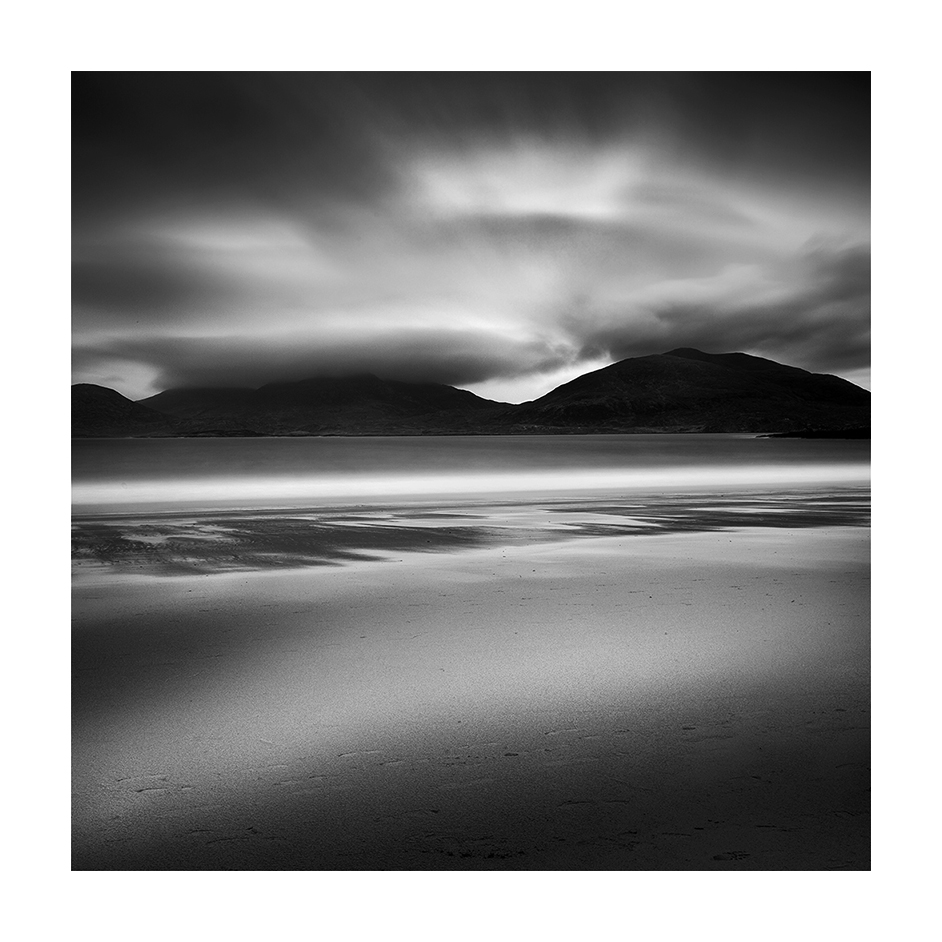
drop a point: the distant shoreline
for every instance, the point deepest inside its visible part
(847, 434)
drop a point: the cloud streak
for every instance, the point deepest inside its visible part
(461, 357)
(814, 310)
(483, 230)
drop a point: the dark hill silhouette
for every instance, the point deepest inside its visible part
(192, 403)
(684, 390)
(688, 390)
(363, 404)
(100, 412)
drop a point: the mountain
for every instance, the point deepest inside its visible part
(687, 390)
(100, 412)
(684, 390)
(193, 403)
(363, 404)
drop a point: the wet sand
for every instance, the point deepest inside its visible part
(695, 700)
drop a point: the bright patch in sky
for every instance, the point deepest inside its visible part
(502, 233)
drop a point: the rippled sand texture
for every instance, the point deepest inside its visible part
(694, 700)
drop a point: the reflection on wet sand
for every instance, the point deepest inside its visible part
(237, 541)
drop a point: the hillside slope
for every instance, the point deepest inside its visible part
(688, 390)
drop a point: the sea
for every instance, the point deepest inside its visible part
(127, 476)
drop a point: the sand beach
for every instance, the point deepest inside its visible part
(567, 687)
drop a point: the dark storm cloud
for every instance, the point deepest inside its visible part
(817, 315)
(132, 287)
(221, 135)
(416, 355)
(466, 227)
(145, 139)
(805, 122)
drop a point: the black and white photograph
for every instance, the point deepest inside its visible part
(471, 471)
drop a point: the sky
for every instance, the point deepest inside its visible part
(499, 232)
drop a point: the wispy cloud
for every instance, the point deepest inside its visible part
(484, 231)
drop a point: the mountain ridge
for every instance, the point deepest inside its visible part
(683, 390)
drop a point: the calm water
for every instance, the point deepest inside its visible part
(130, 475)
